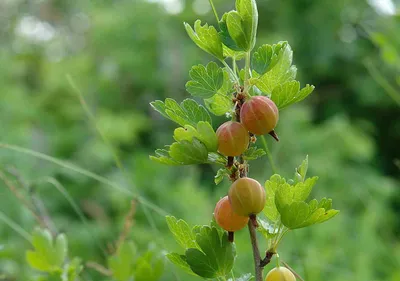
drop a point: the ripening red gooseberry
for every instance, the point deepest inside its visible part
(259, 115)
(233, 138)
(247, 197)
(226, 218)
(280, 274)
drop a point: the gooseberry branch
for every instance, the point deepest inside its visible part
(259, 263)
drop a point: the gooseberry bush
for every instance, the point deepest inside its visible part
(249, 91)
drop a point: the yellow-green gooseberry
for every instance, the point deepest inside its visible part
(247, 197)
(280, 274)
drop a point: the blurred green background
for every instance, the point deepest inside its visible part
(123, 54)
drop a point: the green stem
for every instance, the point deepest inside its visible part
(233, 276)
(278, 263)
(381, 80)
(269, 155)
(247, 72)
(234, 66)
(231, 72)
(214, 10)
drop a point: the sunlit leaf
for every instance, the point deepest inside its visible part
(189, 112)
(182, 232)
(206, 37)
(206, 81)
(216, 256)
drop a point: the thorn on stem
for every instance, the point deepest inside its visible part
(231, 236)
(230, 161)
(274, 135)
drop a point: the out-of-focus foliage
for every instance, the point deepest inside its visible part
(124, 54)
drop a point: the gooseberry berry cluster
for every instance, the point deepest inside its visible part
(258, 115)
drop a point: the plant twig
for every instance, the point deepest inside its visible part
(127, 225)
(43, 213)
(256, 252)
(268, 257)
(99, 268)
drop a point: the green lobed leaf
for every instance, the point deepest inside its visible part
(189, 153)
(204, 133)
(216, 256)
(271, 187)
(300, 214)
(189, 112)
(206, 81)
(221, 174)
(286, 194)
(236, 30)
(282, 72)
(73, 269)
(225, 37)
(182, 232)
(221, 102)
(36, 261)
(162, 157)
(279, 192)
(206, 38)
(248, 12)
(47, 256)
(122, 263)
(60, 249)
(180, 261)
(252, 153)
(148, 267)
(301, 171)
(267, 56)
(290, 93)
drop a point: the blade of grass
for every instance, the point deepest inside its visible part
(14, 226)
(382, 81)
(74, 206)
(118, 162)
(84, 172)
(92, 119)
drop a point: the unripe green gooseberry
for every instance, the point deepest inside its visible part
(280, 274)
(259, 115)
(247, 197)
(233, 138)
(226, 218)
